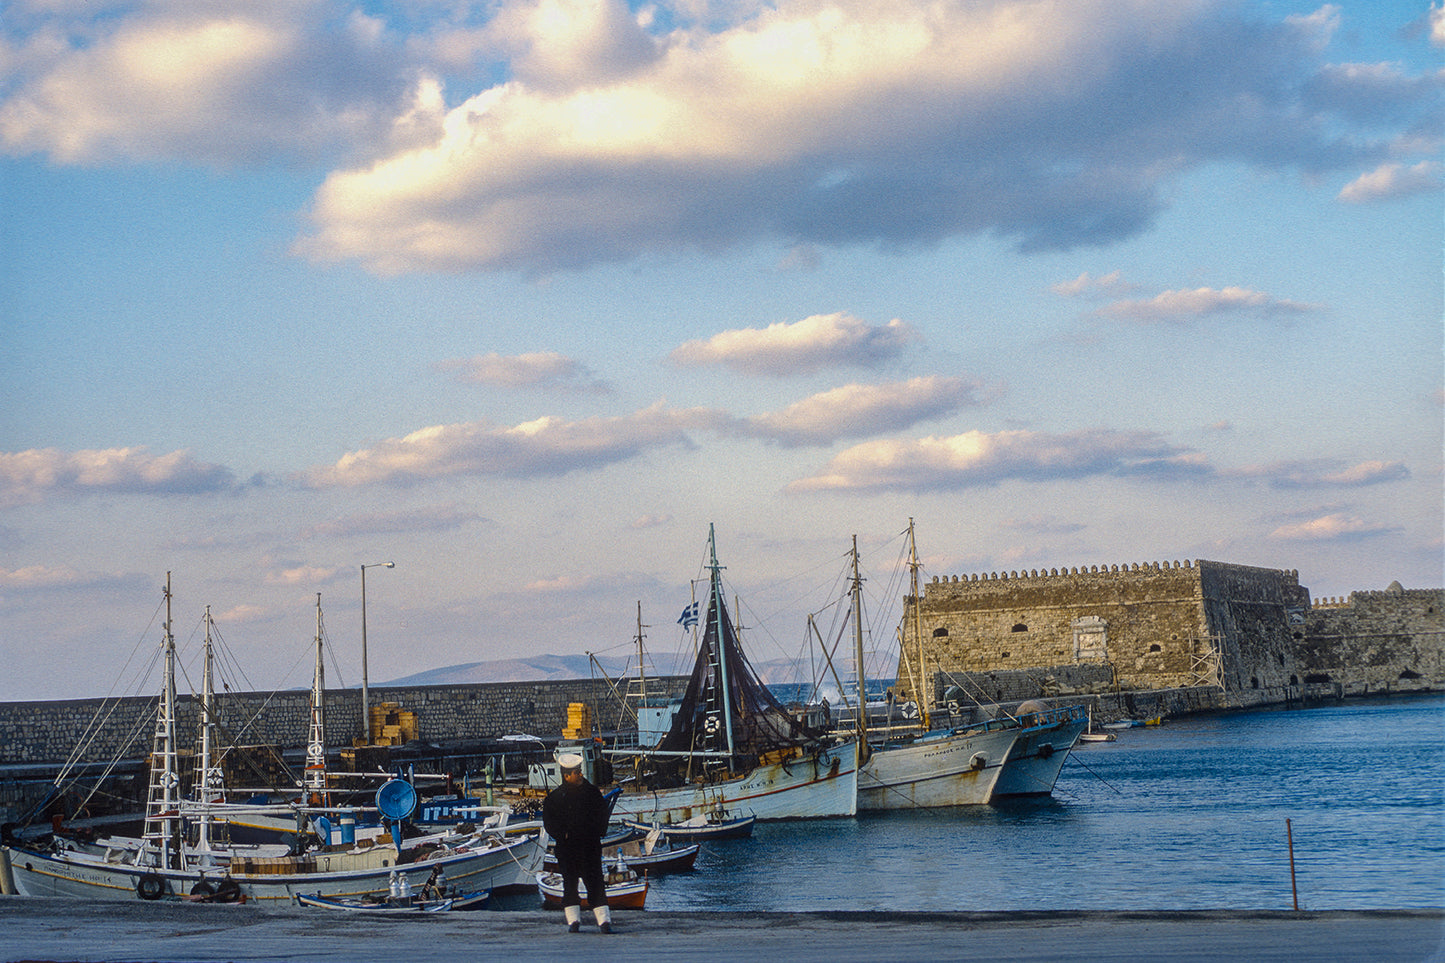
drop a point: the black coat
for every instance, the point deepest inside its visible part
(576, 819)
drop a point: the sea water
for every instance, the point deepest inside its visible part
(1195, 814)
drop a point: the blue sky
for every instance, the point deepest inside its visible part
(523, 295)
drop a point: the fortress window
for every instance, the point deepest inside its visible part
(1020, 627)
(1294, 680)
(1154, 647)
(1253, 682)
(940, 632)
(1003, 655)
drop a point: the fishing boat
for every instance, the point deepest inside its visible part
(731, 744)
(704, 826)
(649, 852)
(397, 905)
(163, 866)
(920, 767)
(625, 888)
(1089, 735)
(1044, 738)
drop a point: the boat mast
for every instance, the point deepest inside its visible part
(162, 824)
(208, 776)
(858, 658)
(316, 741)
(925, 687)
(721, 653)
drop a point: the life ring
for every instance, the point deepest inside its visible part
(203, 888)
(150, 886)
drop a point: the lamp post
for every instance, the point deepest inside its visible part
(365, 693)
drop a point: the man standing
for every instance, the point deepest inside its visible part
(575, 816)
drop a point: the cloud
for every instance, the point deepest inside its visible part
(440, 518)
(225, 82)
(643, 522)
(1043, 525)
(1088, 286)
(537, 369)
(1336, 527)
(1389, 181)
(1182, 306)
(547, 446)
(304, 575)
(1325, 473)
(857, 411)
(977, 458)
(802, 347)
(29, 476)
(609, 135)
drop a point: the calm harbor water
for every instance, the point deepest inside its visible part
(1190, 815)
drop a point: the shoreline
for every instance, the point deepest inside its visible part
(59, 930)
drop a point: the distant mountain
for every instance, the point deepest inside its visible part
(541, 668)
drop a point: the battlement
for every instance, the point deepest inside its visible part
(1065, 572)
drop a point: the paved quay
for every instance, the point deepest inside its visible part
(79, 931)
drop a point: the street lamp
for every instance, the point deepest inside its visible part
(365, 693)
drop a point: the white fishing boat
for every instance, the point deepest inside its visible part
(732, 746)
(923, 768)
(1045, 737)
(164, 866)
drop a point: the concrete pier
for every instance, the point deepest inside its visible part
(78, 931)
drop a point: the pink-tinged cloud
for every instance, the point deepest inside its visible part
(30, 476)
(977, 458)
(536, 369)
(1334, 527)
(1182, 306)
(858, 411)
(1389, 181)
(801, 347)
(545, 447)
(1087, 285)
(1325, 473)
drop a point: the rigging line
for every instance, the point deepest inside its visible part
(1073, 756)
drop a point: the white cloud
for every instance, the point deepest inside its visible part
(1325, 473)
(1394, 180)
(860, 121)
(979, 458)
(29, 476)
(439, 518)
(544, 447)
(857, 411)
(817, 342)
(1088, 286)
(223, 82)
(1180, 306)
(1334, 527)
(530, 370)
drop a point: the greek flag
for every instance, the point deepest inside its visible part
(688, 618)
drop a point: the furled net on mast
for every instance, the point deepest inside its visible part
(760, 724)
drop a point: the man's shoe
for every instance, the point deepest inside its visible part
(574, 927)
(605, 927)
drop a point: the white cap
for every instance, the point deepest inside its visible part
(570, 761)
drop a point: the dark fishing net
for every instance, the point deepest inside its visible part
(760, 724)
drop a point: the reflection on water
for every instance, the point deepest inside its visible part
(1187, 816)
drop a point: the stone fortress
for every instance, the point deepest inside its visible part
(1251, 635)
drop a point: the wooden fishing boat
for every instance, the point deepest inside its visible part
(649, 853)
(396, 907)
(732, 745)
(702, 827)
(625, 889)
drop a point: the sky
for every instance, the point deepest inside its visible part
(524, 295)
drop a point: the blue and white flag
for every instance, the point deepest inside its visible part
(688, 618)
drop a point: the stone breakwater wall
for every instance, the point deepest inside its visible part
(1374, 643)
(100, 730)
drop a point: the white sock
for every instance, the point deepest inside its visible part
(603, 914)
(573, 914)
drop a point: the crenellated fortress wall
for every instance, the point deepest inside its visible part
(1252, 632)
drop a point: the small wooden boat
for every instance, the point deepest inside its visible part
(625, 889)
(397, 907)
(701, 827)
(648, 856)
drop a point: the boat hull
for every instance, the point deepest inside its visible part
(506, 865)
(626, 894)
(822, 784)
(1039, 755)
(948, 769)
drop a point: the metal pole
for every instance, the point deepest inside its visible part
(365, 689)
(1289, 833)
